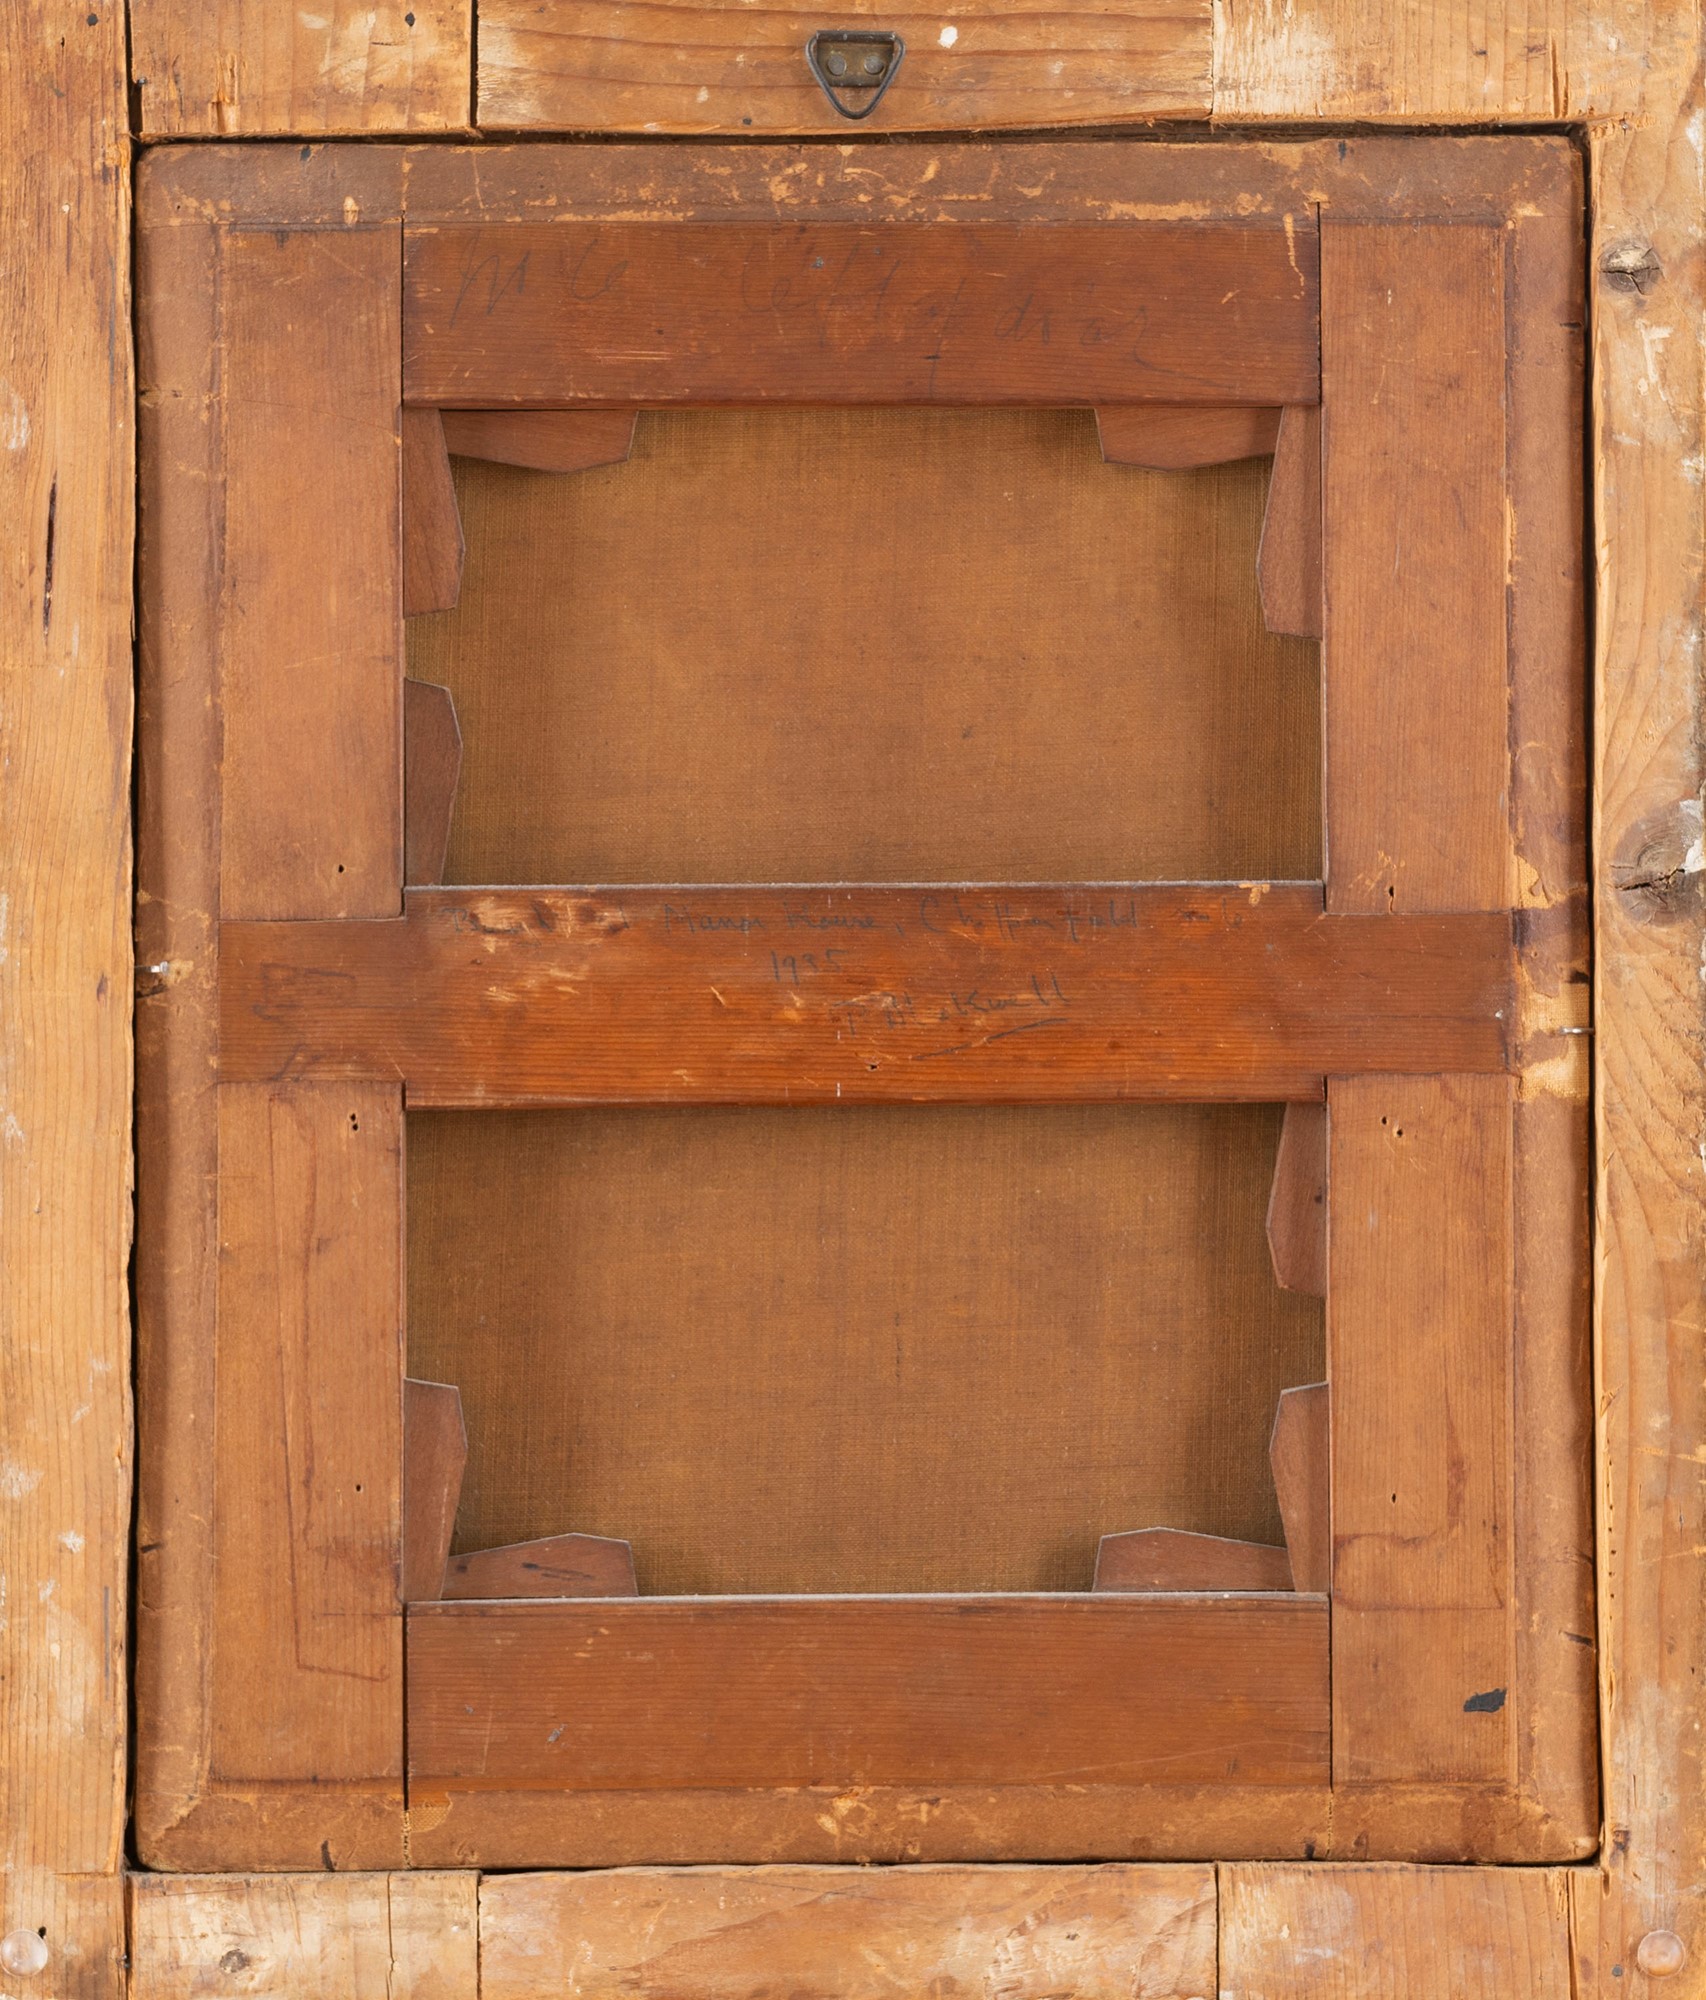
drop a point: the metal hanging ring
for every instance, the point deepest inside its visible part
(855, 59)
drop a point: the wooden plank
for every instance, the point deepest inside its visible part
(305, 1937)
(1415, 568)
(858, 1691)
(1451, 62)
(1289, 563)
(1098, 1933)
(551, 1566)
(432, 526)
(541, 440)
(1649, 437)
(989, 1822)
(1556, 1738)
(395, 66)
(1297, 1207)
(432, 766)
(311, 814)
(67, 496)
(793, 996)
(1018, 181)
(306, 1623)
(177, 1020)
(1171, 1559)
(1419, 1357)
(1300, 1454)
(1350, 1933)
(687, 66)
(564, 313)
(435, 1452)
(204, 575)
(1173, 437)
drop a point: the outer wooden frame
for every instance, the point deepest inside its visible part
(1624, 70)
(279, 1748)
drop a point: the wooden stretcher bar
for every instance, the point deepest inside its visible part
(628, 1694)
(572, 312)
(1024, 994)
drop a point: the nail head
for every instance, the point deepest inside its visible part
(1659, 1954)
(23, 1953)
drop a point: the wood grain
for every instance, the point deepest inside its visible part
(432, 528)
(1451, 62)
(1170, 438)
(955, 1933)
(1649, 431)
(552, 1566)
(435, 1450)
(244, 66)
(1417, 814)
(307, 358)
(686, 66)
(1418, 1353)
(1169, 1559)
(306, 1633)
(1289, 564)
(1350, 1933)
(518, 997)
(541, 440)
(432, 767)
(1556, 1741)
(1297, 1206)
(305, 1937)
(214, 1783)
(565, 313)
(994, 1823)
(67, 495)
(746, 1692)
(1300, 1453)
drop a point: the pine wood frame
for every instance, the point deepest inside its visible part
(280, 1030)
(1628, 77)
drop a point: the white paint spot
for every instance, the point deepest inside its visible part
(704, 96)
(17, 1480)
(12, 1131)
(14, 419)
(1653, 340)
(72, 1542)
(949, 36)
(1694, 819)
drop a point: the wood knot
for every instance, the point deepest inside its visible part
(1631, 267)
(1658, 868)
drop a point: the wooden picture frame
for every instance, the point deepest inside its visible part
(1622, 81)
(1435, 981)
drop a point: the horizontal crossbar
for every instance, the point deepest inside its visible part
(1028, 994)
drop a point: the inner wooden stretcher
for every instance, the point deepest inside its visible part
(894, 1237)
